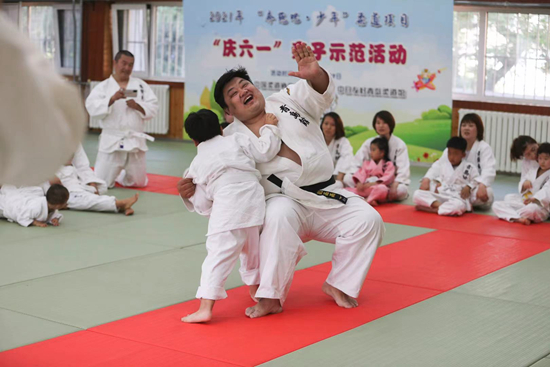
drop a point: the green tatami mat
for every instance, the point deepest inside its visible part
(18, 329)
(545, 362)
(447, 330)
(525, 282)
(65, 252)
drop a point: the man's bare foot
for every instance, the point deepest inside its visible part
(201, 315)
(524, 221)
(264, 307)
(424, 209)
(341, 299)
(252, 290)
(125, 205)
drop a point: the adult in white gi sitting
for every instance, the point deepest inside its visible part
(338, 145)
(124, 104)
(384, 124)
(480, 154)
(294, 215)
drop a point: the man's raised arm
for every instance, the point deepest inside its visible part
(309, 69)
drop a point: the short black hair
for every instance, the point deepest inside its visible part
(125, 53)
(57, 194)
(518, 146)
(383, 145)
(385, 116)
(224, 124)
(544, 148)
(202, 125)
(475, 119)
(238, 72)
(457, 142)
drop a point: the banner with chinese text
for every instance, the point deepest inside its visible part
(393, 55)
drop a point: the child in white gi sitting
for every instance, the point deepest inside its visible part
(375, 176)
(228, 189)
(452, 182)
(86, 197)
(30, 207)
(533, 206)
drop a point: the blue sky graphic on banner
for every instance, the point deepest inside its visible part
(393, 55)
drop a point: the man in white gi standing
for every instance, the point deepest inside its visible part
(294, 215)
(124, 104)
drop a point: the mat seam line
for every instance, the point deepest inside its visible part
(45, 319)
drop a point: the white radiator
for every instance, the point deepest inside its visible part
(502, 127)
(161, 123)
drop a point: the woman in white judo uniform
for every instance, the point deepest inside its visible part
(338, 145)
(452, 182)
(303, 202)
(29, 206)
(124, 104)
(230, 193)
(384, 124)
(525, 148)
(533, 205)
(40, 111)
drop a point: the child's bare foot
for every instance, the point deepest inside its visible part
(125, 205)
(199, 316)
(265, 306)
(425, 209)
(129, 211)
(373, 203)
(524, 221)
(252, 290)
(341, 299)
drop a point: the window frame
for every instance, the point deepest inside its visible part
(15, 6)
(57, 57)
(480, 95)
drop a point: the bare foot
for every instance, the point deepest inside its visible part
(129, 211)
(199, 316)
(264, 307)
(125, 205)
(373, 203)
(252, 290)
(341, 299)
(524, 221)
(424, 209)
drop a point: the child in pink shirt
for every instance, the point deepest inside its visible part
(376, 175)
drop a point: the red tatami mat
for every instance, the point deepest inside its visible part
(469, 223)
(159, 184)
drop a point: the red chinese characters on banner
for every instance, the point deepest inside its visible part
(376, 54)
(398, 54)
(337, 52)
(246, 47)
(229, 48)
(357, 52)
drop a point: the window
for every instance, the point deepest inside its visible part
(154, 34)
(68, 51)
(38, 23)
(11, 11)
(501, 55)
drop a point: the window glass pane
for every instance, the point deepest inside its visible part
(40, 27)
(132, 34)
(517, 56)
(66, 38)
(465, 51)
(169, 52)
(11, 11)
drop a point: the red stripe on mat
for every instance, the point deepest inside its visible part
(403, 274)
(469, 223)
(159, 184)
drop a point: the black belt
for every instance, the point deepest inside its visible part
(315, 188)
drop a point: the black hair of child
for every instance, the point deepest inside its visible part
(383, 145)
(544, 148)
(57, 194)
(202, 125)
(224, 124)
(239, 72)
(518, 146)
(457, 142)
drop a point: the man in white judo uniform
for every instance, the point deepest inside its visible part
(124, 104)
(42, 117)
(452, 183)
(533, 205)
(302, 169)
(229, 192)
(29, 206)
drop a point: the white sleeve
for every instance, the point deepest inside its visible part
(543, 195)
(97, 103)
(435, 169)
(474, 174)
(199, 202)
(525, 168)
(403, 166)
(82, 165)
(39, 111)
(345, 163)
(488, 166)
(265, 148)
(26, 214)
(311, 101)
(148, 102)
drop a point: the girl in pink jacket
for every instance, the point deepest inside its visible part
(376, 175)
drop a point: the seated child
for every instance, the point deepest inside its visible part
(524, 147)
(375, 176)
(533, 205)
(84, 196)
(26, 207)
(228, 189)
(451, 184)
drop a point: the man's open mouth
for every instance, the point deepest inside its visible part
(247, 100)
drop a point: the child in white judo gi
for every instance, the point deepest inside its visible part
(533, 206)
(30, 207)
(525, 148)
(83, 196)
(372, 180)
(228, 189)
(452, 184)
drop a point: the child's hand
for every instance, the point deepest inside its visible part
(437, 187)
(526, 186)
(531, 201)
(38, 223)
(465, 193)
(271, 119)
(425, 184)
(55, 222)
